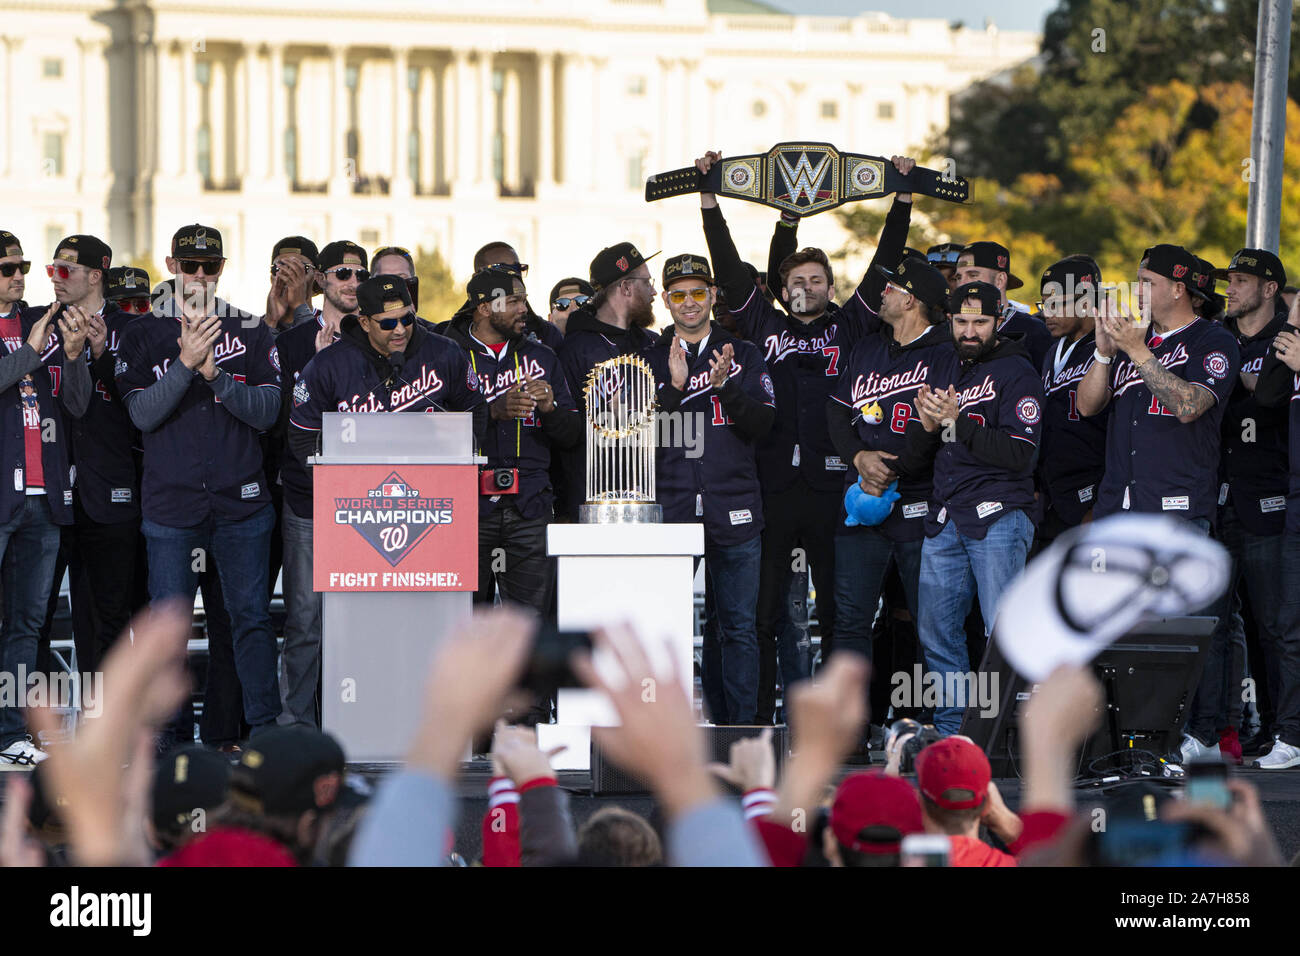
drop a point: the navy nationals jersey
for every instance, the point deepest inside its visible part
(716, 480)
(297, 347)
(1072, 452)
(1154, 462)
(1029, 330)
(104, 440)
(1253, 470)
(347, 377)
(1002, 392)
(523, 443)
(805, 360)
(1293, 487)
(201, 460)
(879, 385)
(15, 403)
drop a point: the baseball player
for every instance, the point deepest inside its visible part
(805, 349)
(869, 417)
(986, 400)
(295, 262)
(718, 387)
(503, 254)
(531, 412)
(201, 380)
(991, 262)
(1072, 455)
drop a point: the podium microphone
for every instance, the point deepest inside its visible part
(395, 364)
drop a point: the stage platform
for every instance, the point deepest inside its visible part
(1279, 793)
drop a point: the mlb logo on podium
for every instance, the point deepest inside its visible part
(393, 489)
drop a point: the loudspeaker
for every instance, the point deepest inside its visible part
(1149, 676)
(607, 777)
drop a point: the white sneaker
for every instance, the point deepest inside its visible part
(1282, 756)
(1192, 750)
(21, 753)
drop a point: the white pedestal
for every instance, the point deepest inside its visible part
(640, 574)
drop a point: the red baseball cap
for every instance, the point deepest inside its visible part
(871, 799)
(953, 764)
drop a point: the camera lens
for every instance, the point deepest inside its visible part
(503, 478)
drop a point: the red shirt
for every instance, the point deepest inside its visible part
(34, 472)
(967, 851)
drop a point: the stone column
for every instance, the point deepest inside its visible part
(339, 183)
(511, 121)
(545, 121)
(401, 183)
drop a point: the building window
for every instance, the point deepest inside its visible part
(413, 79)
(885, 111)
(830, 109)
(291, 153)
(53, 236)
(51, 68)
(204, 147)
(52, 155)
(759, 109)
(203, 73)
(636, 86)
(636, 171)
(350, 74)
(370, 237)
(291, 75)
(413, 156)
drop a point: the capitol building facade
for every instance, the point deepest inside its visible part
(439, 125)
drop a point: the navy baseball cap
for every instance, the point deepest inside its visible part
(382, 294)
(1072, 272)
(989, 296)
(920, 279)
(279, 771)
(9, 244)
(616, 262)
(197, 242)
(1172, 262)
(296, 245)
(687, 266)
(992, 255)
(495, 281)
(187, 779)
(88, 251)
(332, 255)
(1256, 262)
(126, 282)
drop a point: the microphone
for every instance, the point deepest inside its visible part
(395, 361)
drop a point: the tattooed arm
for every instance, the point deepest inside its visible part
(1187, 400)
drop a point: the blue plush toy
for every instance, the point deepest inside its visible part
(868, 510)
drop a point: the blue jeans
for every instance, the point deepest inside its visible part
(729, 667)
(300, 660)
(28, 577)
(241, 550)
(953, 569)
(861, 560)
(1256, 560)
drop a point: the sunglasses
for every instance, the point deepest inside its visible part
(389, 324)
(564, 303)
(678, 296)
(344, 273)
(138, 305)
(947, 258)
(60, 270)
(9, 268)
(275, 269)
(210, 267)
(514, 268)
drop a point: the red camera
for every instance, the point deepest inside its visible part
(498, 481)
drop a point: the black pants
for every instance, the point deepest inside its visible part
(512, 559)
(796, 518)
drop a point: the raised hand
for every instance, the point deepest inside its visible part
(198, 336)
(40, 333)
(678, 368)
(720, 366)
(74, 324)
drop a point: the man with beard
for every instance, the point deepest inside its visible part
(991, 262)
(802, 474)
(1072, 457)
(503, 254)
(706, 375)
(343, 269)
(530, 412)
(616, 321)
(1252, 504)
(981, 417)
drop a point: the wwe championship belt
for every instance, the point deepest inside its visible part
(805, 178)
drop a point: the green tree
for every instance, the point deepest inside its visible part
(440, 296)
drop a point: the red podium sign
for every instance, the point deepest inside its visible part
(395, 528)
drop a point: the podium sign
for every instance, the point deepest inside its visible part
(382, 527)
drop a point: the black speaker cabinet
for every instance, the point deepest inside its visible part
(607, 777)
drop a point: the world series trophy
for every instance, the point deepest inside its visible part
(620, 401)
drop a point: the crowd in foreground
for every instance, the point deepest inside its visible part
(101, 799)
